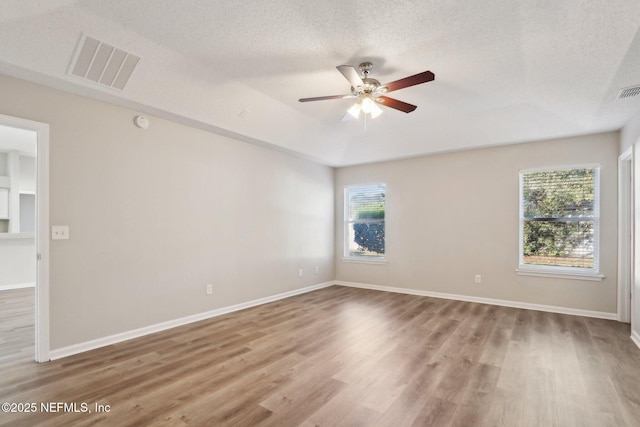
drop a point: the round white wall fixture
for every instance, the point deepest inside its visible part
(141, 121)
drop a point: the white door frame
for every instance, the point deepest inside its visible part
(625, 234)
(42, 231)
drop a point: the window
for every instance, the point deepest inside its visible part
(364, 222)
(559, 221)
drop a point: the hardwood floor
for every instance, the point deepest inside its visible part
(17, 326)
(348, 357)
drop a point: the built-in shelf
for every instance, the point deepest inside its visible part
(17, 193)
(4, 203)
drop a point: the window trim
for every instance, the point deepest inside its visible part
(552, 271)
(363, 259)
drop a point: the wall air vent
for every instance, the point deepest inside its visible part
(101, 63)
(628, 92)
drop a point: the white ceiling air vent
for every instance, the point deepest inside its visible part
(628, 92)
(101, 63)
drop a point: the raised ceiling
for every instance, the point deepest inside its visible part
(507, 71)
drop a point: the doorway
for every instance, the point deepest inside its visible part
(24, 222)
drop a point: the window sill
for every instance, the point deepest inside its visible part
(560, 274)
(365, 260)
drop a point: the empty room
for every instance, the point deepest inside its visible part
(340, 213)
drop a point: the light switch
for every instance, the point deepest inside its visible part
(60, 232)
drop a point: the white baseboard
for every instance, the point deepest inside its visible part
(504, 303)
(635, 337)
(17, 286)
(136, 333)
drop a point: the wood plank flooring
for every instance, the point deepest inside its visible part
(347, 357)
(17, 326)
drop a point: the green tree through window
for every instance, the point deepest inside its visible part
(364, 221)
(559, 217)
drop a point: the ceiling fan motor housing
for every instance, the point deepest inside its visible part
(371, 86)
(366, 68)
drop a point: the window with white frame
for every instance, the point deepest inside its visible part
(559, 220)
(364, 211)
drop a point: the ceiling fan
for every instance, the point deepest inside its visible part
(370, 92)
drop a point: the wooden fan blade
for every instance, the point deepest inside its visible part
(322, 98)
(395, 104)
(416, 79)
(350, 74)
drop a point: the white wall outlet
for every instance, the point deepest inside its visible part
(209, 289)
(300, 272)
(317, 271)
(60, 232)
(478, 278)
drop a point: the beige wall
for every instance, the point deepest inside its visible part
(455, 215)
(630, 133)
(156, 214)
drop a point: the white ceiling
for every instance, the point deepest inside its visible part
(507, 71)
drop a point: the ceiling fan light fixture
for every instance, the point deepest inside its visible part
(355, 110)
(369, 107)
(367, 104)
(375, 111)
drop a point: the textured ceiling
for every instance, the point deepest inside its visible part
(507, 71)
